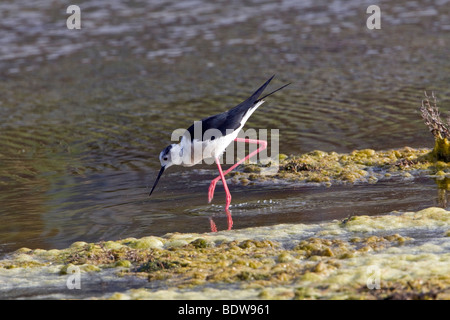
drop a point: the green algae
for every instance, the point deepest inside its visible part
(199, 243)
(123, 263)
(327, 260)
(83, 268)
(155, 265)
(359, 166)
(145, 243)
(441, 150)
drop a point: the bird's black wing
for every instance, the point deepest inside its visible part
(231, 119)
(218, 122)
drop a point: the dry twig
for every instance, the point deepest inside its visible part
(432, 118)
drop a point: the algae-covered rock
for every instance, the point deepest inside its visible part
(123, 263)
(285, 257)
(79, 245)
(146, 243)
(359, 166)
(71, 268)
(175, 243)
(199, 243)
(429, 216)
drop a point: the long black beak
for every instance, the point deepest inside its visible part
(157, 179)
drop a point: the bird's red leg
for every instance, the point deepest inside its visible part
(225, 186)
(229, 219)
(263, 145)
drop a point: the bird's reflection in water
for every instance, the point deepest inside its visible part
(229, 222)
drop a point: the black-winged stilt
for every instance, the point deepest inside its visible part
(211, 136)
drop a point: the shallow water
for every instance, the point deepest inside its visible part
(85, 113)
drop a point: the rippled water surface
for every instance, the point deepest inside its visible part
(85, 113)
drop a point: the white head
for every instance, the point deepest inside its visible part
(169, 156)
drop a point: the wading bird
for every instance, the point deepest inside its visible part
(210, 137)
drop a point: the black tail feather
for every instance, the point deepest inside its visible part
(232, 118)
(254, 98)
(272, 92)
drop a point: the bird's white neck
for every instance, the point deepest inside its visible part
(176, 154)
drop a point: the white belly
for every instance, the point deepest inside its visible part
(196, 151)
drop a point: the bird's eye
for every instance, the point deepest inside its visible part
(165, 158)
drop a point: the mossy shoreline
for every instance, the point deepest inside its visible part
(332, 168)
(332, 260)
